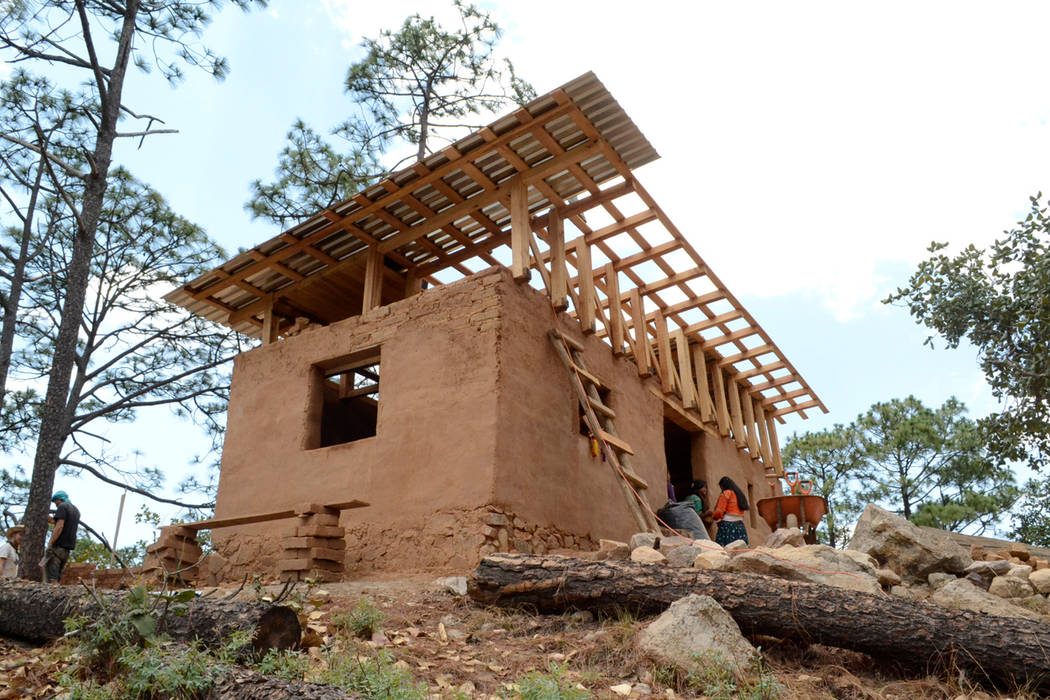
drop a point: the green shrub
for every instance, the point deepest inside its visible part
(374, 678)
(167, 672)
(552, 685)
(288, 665)
(362, 621)
(711, 676)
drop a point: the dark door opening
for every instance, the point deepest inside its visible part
(678, 450)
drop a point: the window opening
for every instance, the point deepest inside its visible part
(350, 408)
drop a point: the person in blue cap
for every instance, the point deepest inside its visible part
(63, 537)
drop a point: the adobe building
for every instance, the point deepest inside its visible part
(407, 356)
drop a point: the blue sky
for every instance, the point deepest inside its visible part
(810, 151)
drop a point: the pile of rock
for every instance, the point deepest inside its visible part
(505, 532)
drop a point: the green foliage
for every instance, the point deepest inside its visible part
(163, 672)
(1032, 515)
(423, 85)
(714, 679)
(89, 550)
(372, 678)
(363, 620)
(552, 685)
(832, 459)
(931, 465)
(288, 665)
(998, 299)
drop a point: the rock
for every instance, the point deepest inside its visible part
(736, 546)
(644, 539)
(623, 689)
(902, 592)
(961, 594)
(994, 556)
(581, 617)
(716, 561)
(619, 553)
(887, 577)
(1019, 550)
(684, 556)
(607, 545)
(865, 560)
(1021, 571)
(456, 585)
(497, 520)
(816, 563)
(988, 569)
(1010, 587)
(783, 537)
(1039, 564)
(466, 689)
(667, 544)
(911, 551)
(1040, 580)
(938, 579)
(977, 552)
(647, 555)
(1035, 603)
(978, 580)
(692, 631)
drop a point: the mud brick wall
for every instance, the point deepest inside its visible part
(476, 419)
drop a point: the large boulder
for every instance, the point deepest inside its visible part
(696, 630)
(815, 563)
(1040, 580)
(1010, 587)
(684, 556)
(911, 551)
(963, 595)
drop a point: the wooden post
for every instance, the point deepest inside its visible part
(520, 230)
(733, 390)
(703, 387)
(413, 283)
(641, 335)
(774, 444)
(663, 345)
(749, 423)
(373, 290)
(721, 410)
(559, 274)
(685, 369)
(271, 322)
(763, 435)
(586, 277)
(612, 289)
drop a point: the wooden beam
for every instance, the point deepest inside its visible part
(774, 444)
(271, 324)
(735, 416)
(612, 290)
(705, 404)
(797, 407)
(520, 230)
(745, 355)
(687, 386)
(373, 286)
(761, 369)
(749, 423)
(772, 400)
(585, 312)
(640, 346)
(721, 409)
(559, 273)
(413, 283)
(763, 435)
(663, 345)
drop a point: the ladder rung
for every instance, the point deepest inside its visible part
(572, 342)
(616, 442)
(637, 481)
(589, 377)
(598, 406)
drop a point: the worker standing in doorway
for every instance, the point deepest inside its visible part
(63, 538)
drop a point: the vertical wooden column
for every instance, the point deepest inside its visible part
(663, 345)
(641, 335)
(586, 277)
(721, 409)
(749, 423)
(685, 369)
(271, 324)
(612, 289)
(373, 280)
(413, 283)
(774, 443)
(763, 435)
(703, 388)
(559, 273)
(737, 419)
(520, 230)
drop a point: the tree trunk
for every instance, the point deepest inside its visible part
(243, 684)
(35, 611)
(914, 634)
(55, 418)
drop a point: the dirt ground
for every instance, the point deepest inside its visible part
(462, 650)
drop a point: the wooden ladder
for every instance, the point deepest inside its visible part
(599, 418)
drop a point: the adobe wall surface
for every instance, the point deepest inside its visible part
(714, 458)
(545, 471)
(428, 471)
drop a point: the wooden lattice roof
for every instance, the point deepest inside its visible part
(571, 153)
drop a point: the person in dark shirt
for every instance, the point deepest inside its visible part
(63, 537)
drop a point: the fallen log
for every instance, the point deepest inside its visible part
(913, 634)
(244, 684)
(35, 612)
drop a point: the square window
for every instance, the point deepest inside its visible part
(349, 396)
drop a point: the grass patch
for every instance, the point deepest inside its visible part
(361, 621)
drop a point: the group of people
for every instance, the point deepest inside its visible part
(728, 512)
(62, 542)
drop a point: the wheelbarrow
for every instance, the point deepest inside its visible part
(807, 509)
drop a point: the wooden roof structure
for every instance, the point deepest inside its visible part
(547, 189)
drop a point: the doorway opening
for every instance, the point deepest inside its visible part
(678, 451)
